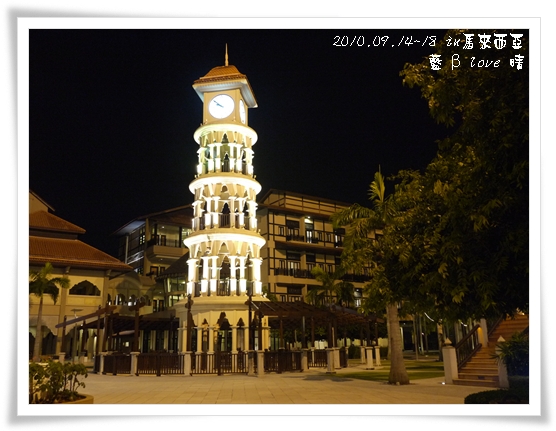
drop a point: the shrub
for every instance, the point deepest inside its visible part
(515, 354)
(55, 382)
(500, 396)
(354, 352)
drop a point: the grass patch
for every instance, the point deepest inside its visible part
(382, 376)
(416, 370)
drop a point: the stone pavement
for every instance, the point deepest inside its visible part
(313, 386)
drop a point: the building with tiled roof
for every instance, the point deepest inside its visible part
(55, 240)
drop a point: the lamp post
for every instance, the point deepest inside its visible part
(75, 311)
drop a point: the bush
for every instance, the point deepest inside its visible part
(55, 382)
(500, 396)
(515, 354)
(518, 393)
(354, 352)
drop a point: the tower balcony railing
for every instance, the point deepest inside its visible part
(226, 166)
(224, 221)
(223, 289)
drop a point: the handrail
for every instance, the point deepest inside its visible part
(494, 324)
(467, 346)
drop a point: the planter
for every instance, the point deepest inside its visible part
(88, 399)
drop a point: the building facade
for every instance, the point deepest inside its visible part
(55, 240)
(299, 237)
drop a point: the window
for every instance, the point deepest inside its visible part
(142, 236)
(85, 288)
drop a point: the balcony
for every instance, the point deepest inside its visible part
(224, 221)
(222, 289)
(299, 238)
(291, 272)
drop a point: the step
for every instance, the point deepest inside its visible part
(482, 383)
(477, 376)
(479, 370)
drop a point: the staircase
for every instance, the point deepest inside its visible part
(482, 368)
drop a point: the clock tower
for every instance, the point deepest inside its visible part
(224, 264)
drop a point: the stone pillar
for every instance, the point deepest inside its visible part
(336, 358)
(260, 363)
(186, 364)
(182, 333)
(211, 339)
(134, 364)
(362, 350)
(304, 365)
(377, 355)
(483, 333)
(246, 338)
(330, 361)
(250, 362)
(234, 339)
(62, 357)
(199, 339)
(369, 352)
(101, 365)
(503, 380)
(450, 363)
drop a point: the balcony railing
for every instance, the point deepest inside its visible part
(222, 289)
(224, 221)
(165, 242)
(295, 238)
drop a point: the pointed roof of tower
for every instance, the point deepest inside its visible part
(227, 77)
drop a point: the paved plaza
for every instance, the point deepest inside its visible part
(312, 386)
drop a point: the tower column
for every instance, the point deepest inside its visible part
(205, 279)
(257, 284)
(242, 281)
(233, 280)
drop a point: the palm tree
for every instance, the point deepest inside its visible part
(333, 289)
(41, 284)
(359, 249)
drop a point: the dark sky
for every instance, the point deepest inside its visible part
(113, 112)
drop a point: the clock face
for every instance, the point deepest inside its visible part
(221, 106)
(242, 111)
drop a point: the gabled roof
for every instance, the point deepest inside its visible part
(168, 216)
(222, 78)
(43, 220)
(71, 252)
(46, 204)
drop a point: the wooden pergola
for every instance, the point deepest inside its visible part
(114, 325)
(299, 314)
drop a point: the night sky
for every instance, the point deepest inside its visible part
(112, 115)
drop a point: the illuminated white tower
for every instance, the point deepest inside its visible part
(224, 264)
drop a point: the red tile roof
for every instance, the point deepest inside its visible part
(71, 252)
(47, 221)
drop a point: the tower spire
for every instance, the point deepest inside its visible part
(226, 57)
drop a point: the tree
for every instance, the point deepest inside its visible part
(333, 289)
(473, 253)
(363, 249)
(40, 284)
